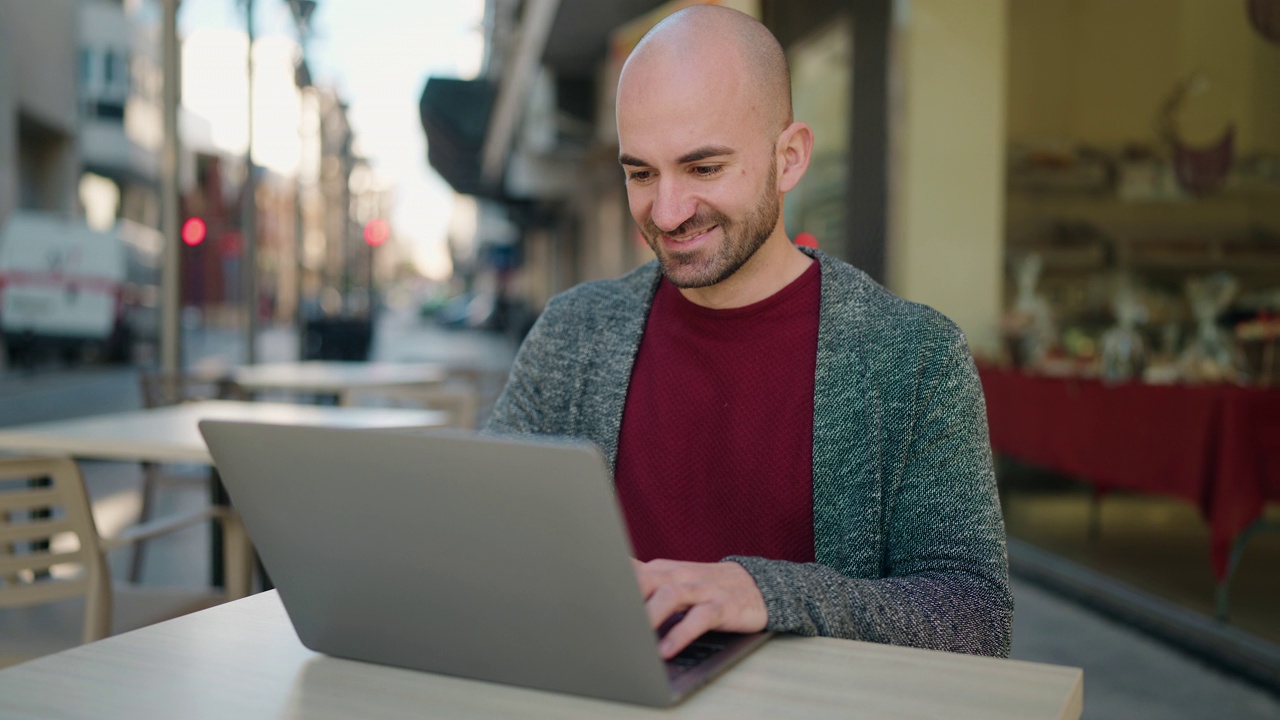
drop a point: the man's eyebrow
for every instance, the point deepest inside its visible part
(691, 157)
(705, 152)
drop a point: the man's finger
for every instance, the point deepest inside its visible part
(697, 621)
(666, 601)
(655, 574)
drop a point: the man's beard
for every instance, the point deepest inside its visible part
(741, 241)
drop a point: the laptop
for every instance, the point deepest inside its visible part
(493, 559)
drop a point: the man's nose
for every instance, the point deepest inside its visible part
(672, 205)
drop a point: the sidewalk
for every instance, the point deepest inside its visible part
(1127, 674)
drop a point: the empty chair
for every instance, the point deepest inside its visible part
(485, 382)
(159, 389)
(458, 400)
(55, 585)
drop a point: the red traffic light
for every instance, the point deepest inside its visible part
(193, 231)
(377, 231)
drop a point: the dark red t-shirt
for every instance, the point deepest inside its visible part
(715, 455)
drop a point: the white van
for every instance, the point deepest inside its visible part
(75, 290)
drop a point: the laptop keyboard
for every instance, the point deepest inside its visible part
(698, 652)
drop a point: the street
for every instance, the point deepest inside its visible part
(53, 391)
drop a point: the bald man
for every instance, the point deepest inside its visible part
(794, 448)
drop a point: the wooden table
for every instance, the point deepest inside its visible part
(332, 378)
(243, 660)
(171, 434)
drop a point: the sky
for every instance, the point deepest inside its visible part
(378, 54)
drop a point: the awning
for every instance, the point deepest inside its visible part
(579, 38)
(455, 115)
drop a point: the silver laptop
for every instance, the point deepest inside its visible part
(493, 559)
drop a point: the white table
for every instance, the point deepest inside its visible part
(243, 660)
(171, 433)
(323, 377)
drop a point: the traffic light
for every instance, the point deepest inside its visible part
(376, 232)
(194, 231)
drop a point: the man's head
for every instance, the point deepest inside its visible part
(708, 142)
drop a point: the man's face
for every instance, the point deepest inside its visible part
(700, 166)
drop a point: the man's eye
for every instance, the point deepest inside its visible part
(639, 175)
(706, 170)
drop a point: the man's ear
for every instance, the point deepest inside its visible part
(795, 147)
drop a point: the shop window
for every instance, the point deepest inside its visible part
(1143, 161)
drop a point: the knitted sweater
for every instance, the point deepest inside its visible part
(908, 534)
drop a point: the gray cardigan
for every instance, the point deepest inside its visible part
(908, 533)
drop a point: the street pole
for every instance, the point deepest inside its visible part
(249, 258)
(348, 162)
(299, 240)
(170, 278)
(302, 10)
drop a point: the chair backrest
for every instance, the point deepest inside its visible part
(458, 400)
(42, 501)
(486, 382)
(160, 389)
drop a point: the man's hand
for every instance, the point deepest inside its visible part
(712, 596)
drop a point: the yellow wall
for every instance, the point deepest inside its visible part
(946, 234)
(1097, 71)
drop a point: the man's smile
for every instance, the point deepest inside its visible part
(689, 236)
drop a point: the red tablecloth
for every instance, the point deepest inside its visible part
(1215, 446)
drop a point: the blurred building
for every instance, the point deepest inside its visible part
(299, 244)
(210, 275)
(212, 270)
(39, 106)
(337, 161)
(536, 134)
(120, 81)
